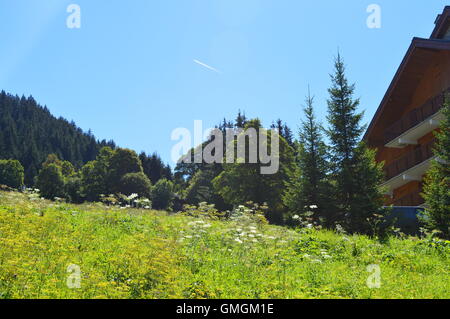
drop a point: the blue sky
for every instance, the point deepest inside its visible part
(129, 73)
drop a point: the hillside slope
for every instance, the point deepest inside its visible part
(29, 132)
(133, 253)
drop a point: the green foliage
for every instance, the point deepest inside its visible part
(28, 133)
(67, 169)
(355, 174)
(135, 183)
(162, 195)
(201, 189)
(437, 180)
(94, 175)
(154, 167)
(243, 182)
(73, 189)
(50, 181)
(11, 173)
(367, 177)
(122, 161)
(308, 185)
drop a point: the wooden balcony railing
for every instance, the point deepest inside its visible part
(415, 117)
(409, 160)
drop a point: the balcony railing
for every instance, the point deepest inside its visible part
(409, 160)
(415, 117)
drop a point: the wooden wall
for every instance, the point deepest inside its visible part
(434, 80)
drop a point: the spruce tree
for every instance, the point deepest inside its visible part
(356, 176)
(308, 187)
(437, 182)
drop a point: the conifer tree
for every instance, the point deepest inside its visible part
(437, 181)
(308, 187)
(356, 176)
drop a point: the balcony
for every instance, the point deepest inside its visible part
(410, 167)
(416, 123)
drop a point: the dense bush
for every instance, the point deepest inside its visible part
(121, 162)
(162, 194)
(11, 173)
(135, 183)
(73, 189)
(50, 181)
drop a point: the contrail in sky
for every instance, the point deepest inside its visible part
(207, 66)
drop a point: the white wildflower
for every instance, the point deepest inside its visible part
(132, 196)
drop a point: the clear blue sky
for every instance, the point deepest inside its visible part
(129, 72)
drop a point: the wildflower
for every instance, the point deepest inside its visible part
(238, 241)
(132, 196)
(313, 207)
(295, 217)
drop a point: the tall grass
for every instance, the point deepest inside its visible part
(132, 253)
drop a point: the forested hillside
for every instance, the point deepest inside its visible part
(29, 132)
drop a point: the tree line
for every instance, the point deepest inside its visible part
(335, 184)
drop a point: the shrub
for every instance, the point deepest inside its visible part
(122, 162)
(162, 194)
(73, 189)
(50, 181)
(11, 173)
(135, 183)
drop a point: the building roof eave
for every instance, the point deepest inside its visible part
(417, 43)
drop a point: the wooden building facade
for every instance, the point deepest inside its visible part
(402, 128)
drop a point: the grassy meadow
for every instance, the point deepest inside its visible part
(137, 253)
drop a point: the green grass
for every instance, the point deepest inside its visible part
(131, 253)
